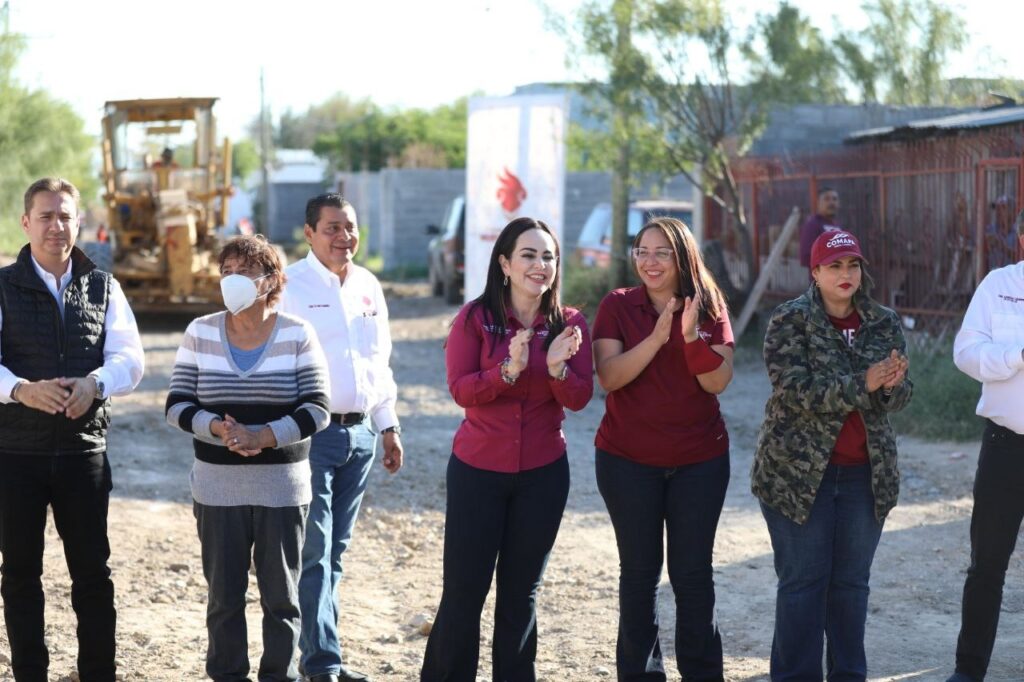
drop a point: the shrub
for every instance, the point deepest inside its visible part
(583, 288)
(944, 399)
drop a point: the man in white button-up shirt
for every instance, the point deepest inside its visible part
(990, 349)
(345, 304)
(68, 341)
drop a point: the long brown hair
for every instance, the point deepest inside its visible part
(695, 280)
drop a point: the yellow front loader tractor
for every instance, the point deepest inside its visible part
(165, 215)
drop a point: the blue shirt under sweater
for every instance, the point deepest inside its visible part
(245, 359)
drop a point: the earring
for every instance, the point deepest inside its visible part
(506, 280)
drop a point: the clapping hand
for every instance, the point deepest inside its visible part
(887, 373)
(663, 327)
(519, 351)
(902, 365)
(564, 347)
(691, 313)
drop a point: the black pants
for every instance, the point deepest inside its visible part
(648, 505)
(995, 522)
(77, 487)
(511, 520)
(232, 539)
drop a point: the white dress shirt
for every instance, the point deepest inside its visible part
(351, 322)
(123, 357)
(990, 345)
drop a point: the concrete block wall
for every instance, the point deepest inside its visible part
(362, 190)
(398, 204)
(411, 199)
(288, 208)
(814, 127)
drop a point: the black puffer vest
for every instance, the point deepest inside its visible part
(35, 344)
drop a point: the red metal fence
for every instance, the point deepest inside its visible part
(933, 215)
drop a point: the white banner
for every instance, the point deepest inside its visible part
(515, 167)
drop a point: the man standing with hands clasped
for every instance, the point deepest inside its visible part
(345, 304)
(68, 341)
(990, 348)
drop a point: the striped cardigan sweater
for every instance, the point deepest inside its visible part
(286, 389)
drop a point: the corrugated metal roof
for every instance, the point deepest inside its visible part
(997, 116)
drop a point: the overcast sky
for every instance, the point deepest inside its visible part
(396, 52)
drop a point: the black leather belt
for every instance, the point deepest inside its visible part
(348, 419)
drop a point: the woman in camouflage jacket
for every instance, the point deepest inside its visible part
(825, 467)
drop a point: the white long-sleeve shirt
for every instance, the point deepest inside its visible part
(990, 346)
(123, 357)
(351, 322)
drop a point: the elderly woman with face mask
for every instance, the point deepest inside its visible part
(250, 385)
(825, 466)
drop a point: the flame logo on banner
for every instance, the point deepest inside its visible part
(511, 194)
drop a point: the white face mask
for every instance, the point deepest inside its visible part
(239, 292)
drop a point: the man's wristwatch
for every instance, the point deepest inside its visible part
(100, 388)
(396, 429)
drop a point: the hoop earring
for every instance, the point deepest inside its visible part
(505, 283)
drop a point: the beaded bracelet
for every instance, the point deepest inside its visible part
(506, 375)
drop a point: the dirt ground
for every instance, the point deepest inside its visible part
(393, 570)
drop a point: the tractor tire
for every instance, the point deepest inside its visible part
(100, 253)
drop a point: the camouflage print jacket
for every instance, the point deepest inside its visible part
(817, 380)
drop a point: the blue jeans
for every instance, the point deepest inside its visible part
(340, 459)
(823, 568)
(644, 503)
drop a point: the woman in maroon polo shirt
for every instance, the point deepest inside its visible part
(664, 351)
(516, 358)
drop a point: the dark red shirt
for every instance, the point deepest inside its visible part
(510, 428)
(851, 447)
(663, 417)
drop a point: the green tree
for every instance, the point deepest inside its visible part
(623, 140)
(372, 138)
(354, 135)
(792, 61)
(899, 57)
(39, 136)
(245, 159)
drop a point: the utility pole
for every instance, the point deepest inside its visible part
(264, 161)
(6, 12)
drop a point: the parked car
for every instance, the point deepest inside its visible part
(593, 248)
(446, 253)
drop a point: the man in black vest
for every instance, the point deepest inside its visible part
(68, 341)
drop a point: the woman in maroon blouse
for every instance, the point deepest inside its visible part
(516, 358)
(664, 351)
